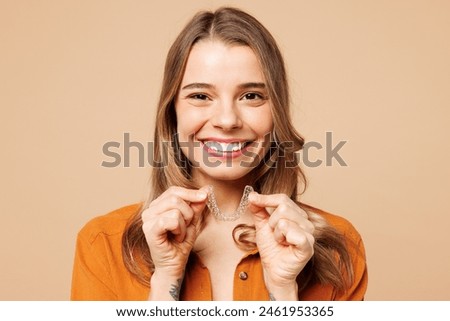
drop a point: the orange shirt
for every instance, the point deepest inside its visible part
(100, 274)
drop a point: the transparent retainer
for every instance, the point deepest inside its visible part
(214, 208)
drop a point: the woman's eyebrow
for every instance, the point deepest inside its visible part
(198, 85)
(248, 85)
(202, 85)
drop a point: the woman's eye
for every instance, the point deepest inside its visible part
(252, 96)
(199, 96)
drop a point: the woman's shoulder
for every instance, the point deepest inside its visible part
(110, 224)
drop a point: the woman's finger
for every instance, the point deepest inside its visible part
(176, 198)
(289, 233)
(272, 200)
(168, 224)
(279, 231)
(283, 207)
(170, 202)
(256, 207)
(293, 215)
(194, 228)
(189, 195)
(180, 231)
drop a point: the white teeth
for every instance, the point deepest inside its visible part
(224, 147)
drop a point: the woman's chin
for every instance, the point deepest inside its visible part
(222, 173)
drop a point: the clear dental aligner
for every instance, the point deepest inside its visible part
(212, 205)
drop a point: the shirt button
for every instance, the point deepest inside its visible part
(243, 276)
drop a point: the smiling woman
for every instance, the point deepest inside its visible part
(224, 108)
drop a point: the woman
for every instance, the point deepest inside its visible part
(224, 108)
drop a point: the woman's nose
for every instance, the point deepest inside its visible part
(226, 116)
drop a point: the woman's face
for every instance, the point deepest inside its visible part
(223, 112)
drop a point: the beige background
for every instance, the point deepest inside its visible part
(77, 74)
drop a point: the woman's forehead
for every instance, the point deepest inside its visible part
(213, 61)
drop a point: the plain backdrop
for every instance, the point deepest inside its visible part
(75, 75)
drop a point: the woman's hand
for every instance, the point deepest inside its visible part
(171, 226)
(285, 242)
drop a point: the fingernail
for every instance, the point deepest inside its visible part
(202, 194)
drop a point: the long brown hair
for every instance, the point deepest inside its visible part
(278, 173)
